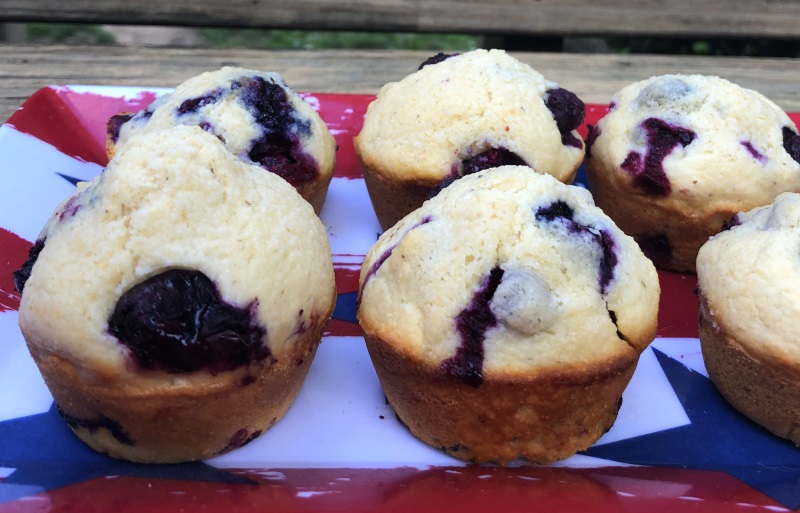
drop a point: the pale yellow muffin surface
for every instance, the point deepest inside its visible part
(257, 116)
(677, 155)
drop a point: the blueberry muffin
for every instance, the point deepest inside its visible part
(174, 303)
(677, 156)
(506, 316)
(459, 114)
(749, 291)
(258, 117)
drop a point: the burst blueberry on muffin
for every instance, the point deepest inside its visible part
(258, 117)
(459, 114)
(749, 291)
(677, 156)
(174, 304)
(506, 316)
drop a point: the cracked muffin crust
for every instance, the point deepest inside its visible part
(506, 316)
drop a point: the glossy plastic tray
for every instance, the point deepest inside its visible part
(676, 446)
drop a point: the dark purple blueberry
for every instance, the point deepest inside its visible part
(377, 264)
(192, 105)
(791, 143)
(279, 148)
(22, 274)
(176, 321)
(92, 426)
(657, 248)
(730, 223)
(439, 187)
(648, 172)
(239, 439)
(570, 139)
(386, 254)
(436, 59)
(115, 123)
(591, 136)
(608, 260)
(568, 111)
(471, 326)
(754, 152)
(555, 210)
(493, 157)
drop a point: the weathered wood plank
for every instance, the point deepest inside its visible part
(594, 78)
(758, 18)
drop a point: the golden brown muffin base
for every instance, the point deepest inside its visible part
(643, 216)
(543, 418)
(315, 192)
(393, 201)
(155, 421)
(767, 392)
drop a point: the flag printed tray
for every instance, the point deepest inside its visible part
(676, 445)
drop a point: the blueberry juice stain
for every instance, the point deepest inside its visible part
(472, 323)
(648, 171)
(603, 238)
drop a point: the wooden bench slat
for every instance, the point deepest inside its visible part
(593, 77)
(755, 18)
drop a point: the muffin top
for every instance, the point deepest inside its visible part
(699, 141)
(750, 279)
(258, 117)
(178, 257)
(471, 111)
(506, 271)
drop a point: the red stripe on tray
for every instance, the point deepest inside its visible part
(13, 254)
(472, 489)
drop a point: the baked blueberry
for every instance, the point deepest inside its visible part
(184, 300)
(192, 105)
(656, 247)
(258, 118)
(496, 332)
(648, 170)
(460, 114)
(730, 223)
(560, 210)
(791, 143)
(680, 153)
(177, 322)
(471, 325)
(568, 111)
(493, 157)
(436, 59)
(22, 274)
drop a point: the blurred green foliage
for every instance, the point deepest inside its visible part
(297, 39)
(733, 47)
(67, 33)
(301, 39)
